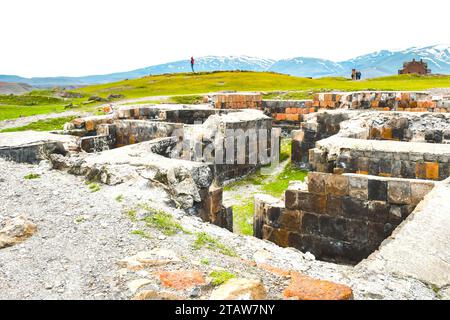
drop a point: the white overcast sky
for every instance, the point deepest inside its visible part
(81, 37)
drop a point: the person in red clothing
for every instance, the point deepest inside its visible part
(192, 64)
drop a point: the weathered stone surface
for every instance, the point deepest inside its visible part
(419, 191)
(180, 280)
(151, 258)
(377, 190)
(134, 285)
(16, 230)
(358, 187)
(155, 295)
(306, 288)
(399, 192)
(316, 182)
(337, 185)
(240, 289)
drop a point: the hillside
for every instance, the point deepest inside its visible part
(14, 88)
(188, 83)
(48, 101)
(376, 64)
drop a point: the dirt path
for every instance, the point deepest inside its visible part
(23, 121)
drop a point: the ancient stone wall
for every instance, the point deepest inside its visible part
(287, 112)
(319, 126)
(340, 218)
(384, 158)
(235, 100)
(382, 101)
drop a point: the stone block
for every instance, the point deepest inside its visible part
(291, 199)
(432, 170)
(408, 169)
(272, 216)
(275, 235)
(374, 166)
(399, 192)
(336, 185)
(290, 220)
(333, 227)
(306, 288)
(377, 190)
(356, 231)
(358, 187)
(419, 191)
(309, 223)
(395, 215)
(334, 205)
(354, 208)
(363, 165)
(316, 182)
(378, 211)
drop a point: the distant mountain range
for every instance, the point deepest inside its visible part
(376, 64)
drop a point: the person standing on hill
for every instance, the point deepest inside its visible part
(192, 64)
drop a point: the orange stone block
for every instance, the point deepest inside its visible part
(90, 126)
(292, 117)
(374, 104)
(432, 170)
(180, 280)
(386, 133)
(308, 104)
(406, 96)
(280, 116)
(274, 270)
(311, 110)
(362, 172)
(306, 288)
(316, 103)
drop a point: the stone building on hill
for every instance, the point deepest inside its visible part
(417, 67)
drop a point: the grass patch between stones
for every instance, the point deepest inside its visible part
(221, 276)
(205, 240)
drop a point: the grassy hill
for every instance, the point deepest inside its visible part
(45, 101)
(188, 83)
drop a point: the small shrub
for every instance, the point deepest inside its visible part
(119, 198)
(31, 176)
(205, 261)
(220, 277)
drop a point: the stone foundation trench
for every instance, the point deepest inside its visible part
(103, 209)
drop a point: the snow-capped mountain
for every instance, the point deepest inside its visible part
(307, 67)
(376, 64)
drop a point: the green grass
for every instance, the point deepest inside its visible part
(243, 216)
(45, 101)
(188, 83)
(220, 277)
(285, 149)
(141, 233)
(205, 240)
(93, 187)
(132, 214)
(205, 261)
(43, 125)
(164, 222)
(188, 99)
(32, 176)
(119, 198)
(279, 184)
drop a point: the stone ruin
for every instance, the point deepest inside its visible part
(373, 158)
(180, 148)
